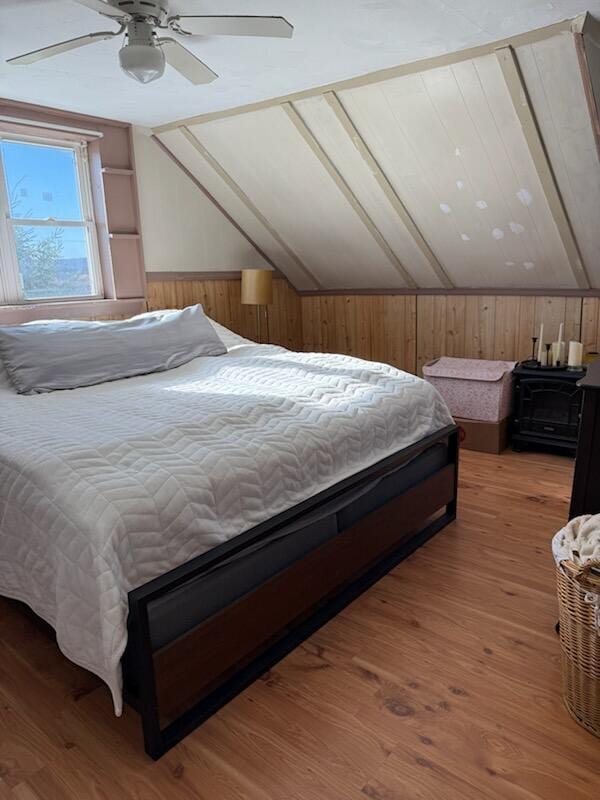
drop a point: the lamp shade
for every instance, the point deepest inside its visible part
(257, 287)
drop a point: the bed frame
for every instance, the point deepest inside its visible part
(177, 684)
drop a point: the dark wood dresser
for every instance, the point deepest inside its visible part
(585, 497)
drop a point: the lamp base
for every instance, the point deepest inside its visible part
(260, 312)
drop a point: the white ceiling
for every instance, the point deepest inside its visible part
(333, 40)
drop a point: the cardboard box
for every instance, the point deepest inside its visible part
(485, 437)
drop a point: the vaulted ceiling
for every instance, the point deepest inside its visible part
(480, 169)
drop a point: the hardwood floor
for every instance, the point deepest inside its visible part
(440, 683)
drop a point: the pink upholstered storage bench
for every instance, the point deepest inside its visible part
(479, 395)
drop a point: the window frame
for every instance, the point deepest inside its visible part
(11, 288)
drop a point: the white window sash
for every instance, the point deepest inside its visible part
(11, 289)
(10, 278)
(48, 222)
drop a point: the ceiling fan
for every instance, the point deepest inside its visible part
(145, 52)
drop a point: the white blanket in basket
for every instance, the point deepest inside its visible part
(578, 541)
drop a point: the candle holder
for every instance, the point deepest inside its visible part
(533, 351)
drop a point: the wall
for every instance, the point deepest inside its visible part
(405, 330)
(114, 191)
(376, 327)
(409, 330)
(494, 327)
(182, 229)
(590, 324)
(221, 300)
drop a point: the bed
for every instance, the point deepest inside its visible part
(182, 531)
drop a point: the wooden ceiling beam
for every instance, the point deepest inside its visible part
(243, 197)
(346, 191)
(386, 186)
(522, 104)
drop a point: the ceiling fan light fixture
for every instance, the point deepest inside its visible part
(145, 63)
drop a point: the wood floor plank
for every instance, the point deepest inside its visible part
(442, 682)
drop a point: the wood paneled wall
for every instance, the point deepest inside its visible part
(494, 326)
(590, 325)
(376, 327)
(221, 300)
(406, 331)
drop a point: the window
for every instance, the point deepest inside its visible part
(48, 245)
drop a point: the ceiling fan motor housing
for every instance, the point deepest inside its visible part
(140, 34)
(143, 9)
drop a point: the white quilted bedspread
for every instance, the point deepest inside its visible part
(107, 487)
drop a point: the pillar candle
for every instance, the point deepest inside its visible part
(559, 353)
(541, 353)
(575, 354)
(562, 352)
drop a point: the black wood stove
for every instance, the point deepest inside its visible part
(547, 407)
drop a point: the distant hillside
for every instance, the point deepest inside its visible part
(71, 266)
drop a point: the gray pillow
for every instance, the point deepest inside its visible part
(64, 354)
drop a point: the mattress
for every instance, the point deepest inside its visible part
(106, 487)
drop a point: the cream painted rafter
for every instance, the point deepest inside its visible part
(386, 186)
(524, 110)
(243, 197)
(345, 189)
(529, 37)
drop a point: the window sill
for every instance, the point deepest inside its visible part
(71, 309)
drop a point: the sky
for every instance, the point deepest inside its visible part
(42, 182)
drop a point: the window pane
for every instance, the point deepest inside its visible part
(41, 181)
(53, 262)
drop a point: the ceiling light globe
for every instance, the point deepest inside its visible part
(145, 63)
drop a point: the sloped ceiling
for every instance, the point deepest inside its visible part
(188, 212)
(478, 172)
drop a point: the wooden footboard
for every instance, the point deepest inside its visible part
(177, 685)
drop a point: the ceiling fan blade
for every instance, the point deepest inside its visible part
(186, 63)
(232, 26)
(61, 47)
(104, 8)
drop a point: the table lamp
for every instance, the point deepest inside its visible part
(257, 290)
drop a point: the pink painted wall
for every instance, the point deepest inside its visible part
(115, 200)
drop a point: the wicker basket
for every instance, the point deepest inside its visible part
(580, 642)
